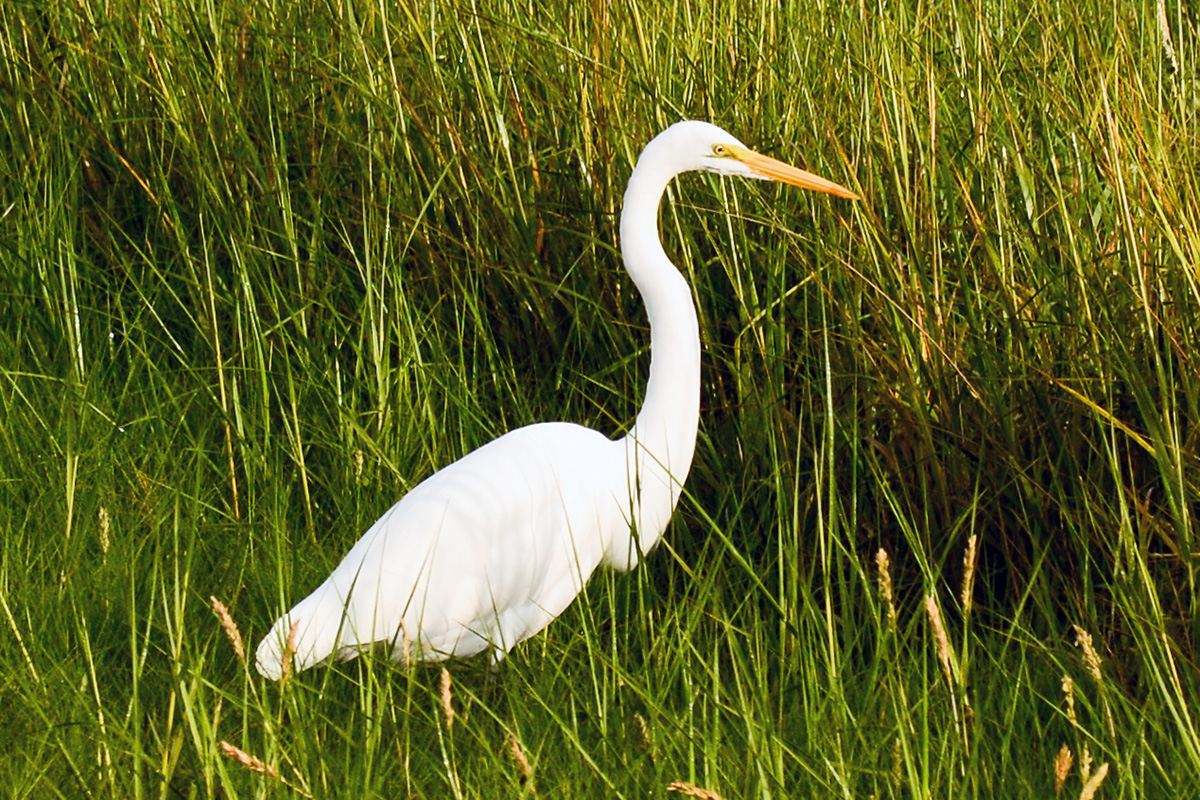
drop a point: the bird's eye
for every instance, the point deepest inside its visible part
(720, 150)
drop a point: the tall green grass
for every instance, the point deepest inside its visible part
(267, 265)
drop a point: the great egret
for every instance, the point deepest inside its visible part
(489, 550)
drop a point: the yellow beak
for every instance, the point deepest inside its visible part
(778, 171)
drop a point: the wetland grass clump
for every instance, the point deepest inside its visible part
(267, 265)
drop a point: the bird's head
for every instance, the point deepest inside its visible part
(694, 145)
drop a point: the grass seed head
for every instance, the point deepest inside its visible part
(231, 628)
(105, 527)
(1093, 784)
(447, 705)
(939, 635)
(968, 583)
(1068, 687)
(289, 651)
(883, 563)
(518, 757)
(645, 736)
(1090, 656)
(897, 761)
(248, 761)
(405, 647)
(1062, 768)
(691, 790)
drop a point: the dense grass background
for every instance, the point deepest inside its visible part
(265, 265)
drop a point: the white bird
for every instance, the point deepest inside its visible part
(489, 550)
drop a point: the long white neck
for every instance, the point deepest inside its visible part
(661, 443)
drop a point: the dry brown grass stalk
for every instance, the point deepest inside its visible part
(1062, 768)
(1090, 657)
(691, 790)
(1093, 784)
(231, 628)
(518, 757)
(968, 583)
(447, 705)
(405, 647)
(289, 651)
(248, 761)
(939, 635)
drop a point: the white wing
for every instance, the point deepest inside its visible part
(482, 554)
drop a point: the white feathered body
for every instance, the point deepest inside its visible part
(436, 577)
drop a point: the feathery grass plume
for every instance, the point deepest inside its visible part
(691, 790)
(1068, 687)
(885, 586)
(518, 756)
(939, 635)
(358, 467)
(1093, 784)
(1090, 656)
(1062, 768)
(447, 705)
(289, 650)
(248, 761)
(105, 527)
(1085, 763)
(968, 582)
(231, 628)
